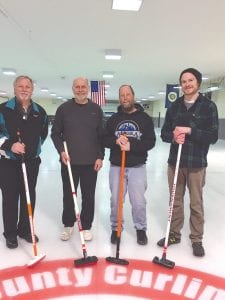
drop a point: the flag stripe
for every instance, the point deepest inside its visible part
(98, 92)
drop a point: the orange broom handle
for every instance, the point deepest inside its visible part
(121, 189)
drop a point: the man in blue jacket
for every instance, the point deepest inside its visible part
(23, 129)
(132, 130)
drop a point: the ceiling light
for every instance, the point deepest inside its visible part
(151, 97)
(44, 90)
(9, 71)
(53, 94)
(161, 93)
(113, 54)
(3, 93)
(133, 5)
(108, 75)
(213, 88)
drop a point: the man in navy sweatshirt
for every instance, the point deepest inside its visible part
(132, 130)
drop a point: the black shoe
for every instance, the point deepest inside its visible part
(142, 237)
(198, 249)
(11, 243)
(113, 237)
(172, 240)
(27, 237)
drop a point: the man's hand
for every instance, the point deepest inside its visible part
(185, 130)
(122, 140)
(98, 164)
(18, 148)
(64, 157)
(179, 134)
(126, 147)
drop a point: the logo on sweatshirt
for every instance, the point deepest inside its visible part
(129, 128)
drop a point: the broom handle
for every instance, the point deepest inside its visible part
(121, 190)
(172, 197)
(75, 201)
(29, 207)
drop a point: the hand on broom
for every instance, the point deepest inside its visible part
(123, 142)
(179, 134)
(64, 157)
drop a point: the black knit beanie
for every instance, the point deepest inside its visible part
(193, 71)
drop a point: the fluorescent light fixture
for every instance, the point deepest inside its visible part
(213, 88)
(113, 54)
(108, 75)
(44, 89)
(161, 93)
(144, 99)
(3, 93)
(59, 97)
(53, 94)
(205, 78)
(151, 97)
(133, 5)
(8, 71)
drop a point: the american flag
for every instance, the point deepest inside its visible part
(98, 92)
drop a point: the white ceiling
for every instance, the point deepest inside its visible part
(55, 41)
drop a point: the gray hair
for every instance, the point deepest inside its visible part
(23, 77)
(129, 86)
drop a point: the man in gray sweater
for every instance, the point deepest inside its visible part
(79, 122)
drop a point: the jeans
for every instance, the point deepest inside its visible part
(194, 179)
(135, 182)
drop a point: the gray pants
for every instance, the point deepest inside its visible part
(135, 182)
(194, 179)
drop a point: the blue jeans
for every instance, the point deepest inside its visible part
(135, 182)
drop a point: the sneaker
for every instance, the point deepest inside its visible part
(28, 238)
(66, 234)
(172, 240)
(113, 237)
(198, 249)
(11, 243)
(87, 235)
(142, 237)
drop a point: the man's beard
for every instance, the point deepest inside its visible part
(129, 108)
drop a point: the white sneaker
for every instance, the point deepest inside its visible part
(66, 234)
(87, 235)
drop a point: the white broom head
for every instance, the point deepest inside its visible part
(35, 260)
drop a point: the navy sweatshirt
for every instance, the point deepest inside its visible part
(139, 129)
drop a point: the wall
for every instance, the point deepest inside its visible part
(219, 98)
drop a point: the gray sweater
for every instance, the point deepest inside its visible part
(80, 125)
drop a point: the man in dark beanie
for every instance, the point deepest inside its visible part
(192, 120)
(194, 72)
